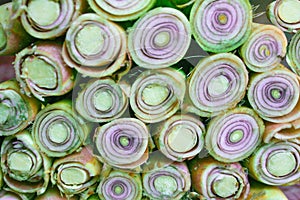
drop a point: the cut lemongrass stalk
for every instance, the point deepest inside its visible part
(42, 72)
(47, 19)
(32, 176)
(76, 173)
(160, 38)
(52, 193)
(275, 163)
(293, 56)
(17, 110)
(260, 191)
(8, 194)
(123, 143)
(180, 137)
(95, 46)
(217, 180)
(13, 37)
(101, 100)
(216, 84)
(274, 95)
(265, 48)
(221, 26)
(234, 135)
(115, 10)
(120, 185)
(285, 14)
(58, 131)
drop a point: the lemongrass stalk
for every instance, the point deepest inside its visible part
(47, 19)
(260, 191)
(234, 135)
(180, 137)
(156, 95)
(160, 38)
(285, 14)
(216, 180)
(8, 194)
(58, 130)
(115, 10)
(120, 185)
(17, 110)
(52, 193)
(265, 48)
(42, 72)
(101, 100)
(95, 46)
(13, 37)
(293, 57)
(76, 173)
(169, 182)
(123, 143)
(274, 95)
(25, 169)
(218, 83)
(221, 26)
(275, 163)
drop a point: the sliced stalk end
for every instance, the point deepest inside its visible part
(225, 186)
(288, 11)
(155, 94)
(165, 185)
(275, 163)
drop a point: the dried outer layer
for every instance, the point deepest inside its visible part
(120, 185)
(265, 48)
(33, 174)
(215, 180)
(274, 95)
(157, 94)
(217, 84)
(58, 130)
(169, 182)
(95, 46)
(275, 163)
(283, 131)
(13, 37)
(259, 191)
(234, 135)
(115, 10)
(293, 55)
(47, 19)
(160, 38)
(101, 100)
(180, 137)
(221, 25)
(8, 194)
(123, 143)
(52, 193)
(17, 110)
(41, 71)
(77, 172)
(285, 15)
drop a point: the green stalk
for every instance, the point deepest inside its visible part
(76, 173)
(33, 175)
(58, 131)
(17, 110)
(293, 57)
(41, 71)
(13, 37)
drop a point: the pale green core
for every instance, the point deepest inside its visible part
(236, 136)
(124, 141)
(44, 12)
(181, 139)
(162, 39)
(103, 100)
(89, 40)
(218, 85)
(3, 39)
(265, 50)
(20, 162)
(73, 176)
(5, 111)
(225, 186)
(288, 11)
(118, 190)
(40, 72)
(275, 93)
(58, 132)
(222, 18)
(165, 185)
(281, 164)
(154, 94)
